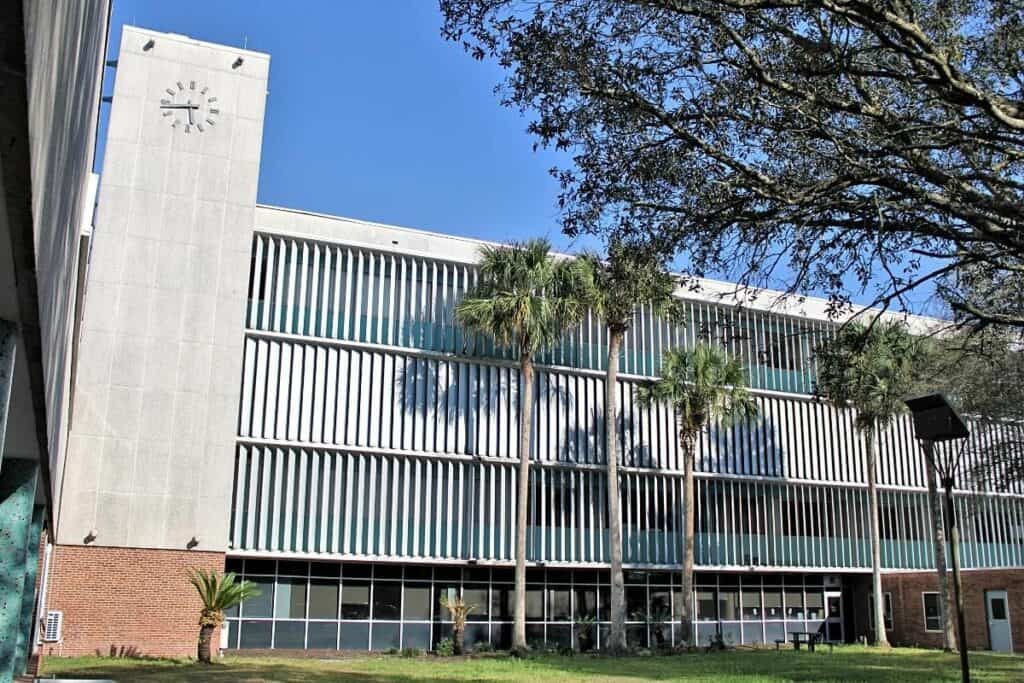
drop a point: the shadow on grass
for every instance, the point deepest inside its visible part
(845, 664)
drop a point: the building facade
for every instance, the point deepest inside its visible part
(287, 395)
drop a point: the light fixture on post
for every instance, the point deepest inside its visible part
(935, 421)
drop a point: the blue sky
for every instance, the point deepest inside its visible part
(371, 114)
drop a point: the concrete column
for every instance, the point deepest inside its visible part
(17, 495)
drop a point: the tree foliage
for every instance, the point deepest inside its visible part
(629, 277)
(219, 592)
(857, 144)
(872, 368)
(525, 296)
(703, 385)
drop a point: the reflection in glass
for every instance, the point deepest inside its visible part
(355, 601)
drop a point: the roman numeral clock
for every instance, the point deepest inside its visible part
(190, 107)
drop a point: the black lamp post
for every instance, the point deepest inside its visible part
(936, 421)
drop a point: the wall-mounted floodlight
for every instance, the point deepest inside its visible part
(149, 45)
(238, 62)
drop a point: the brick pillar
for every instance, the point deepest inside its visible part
(17, 494)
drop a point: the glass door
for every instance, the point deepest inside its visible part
(834, 616)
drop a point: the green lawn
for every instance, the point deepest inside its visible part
(850, 663)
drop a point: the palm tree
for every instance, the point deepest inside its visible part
(704, 385)
(870, 368)
(630, 277)
(459, 610)
(525, 298)
(218, 593)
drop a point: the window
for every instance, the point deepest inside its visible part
(706, 607)
(355, 603)
(932, 612)
(998, 607)
(794, 604)
(751, 604)
(887, 598)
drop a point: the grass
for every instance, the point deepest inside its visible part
(851, 663)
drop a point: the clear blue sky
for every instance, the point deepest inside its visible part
(371, 114)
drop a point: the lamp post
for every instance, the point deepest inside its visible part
(936, 421)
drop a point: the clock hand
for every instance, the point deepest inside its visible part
(190, 112)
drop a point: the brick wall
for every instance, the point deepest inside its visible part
(908, 610)
(126, 600)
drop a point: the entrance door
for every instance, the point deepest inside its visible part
(834, 616)
(998, 610)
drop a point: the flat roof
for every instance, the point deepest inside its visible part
(318, 226)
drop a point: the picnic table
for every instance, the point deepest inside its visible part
(798, 638)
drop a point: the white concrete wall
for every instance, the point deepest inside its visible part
(151, 450)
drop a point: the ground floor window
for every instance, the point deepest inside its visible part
(354, 606)
(932, 612)
(886, 605)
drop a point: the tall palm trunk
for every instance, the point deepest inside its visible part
(688, 443)
(522, 499)
(203, 648)
(939, 538)
(617, 632)
(881, 639)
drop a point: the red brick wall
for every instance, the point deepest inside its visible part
(908, 609)
(126, 600)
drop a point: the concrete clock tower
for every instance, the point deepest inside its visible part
(148, 480)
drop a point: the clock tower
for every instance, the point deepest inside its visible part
(151, 450)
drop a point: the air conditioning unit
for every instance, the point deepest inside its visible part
(53, 626)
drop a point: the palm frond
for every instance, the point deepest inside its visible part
(703, 385)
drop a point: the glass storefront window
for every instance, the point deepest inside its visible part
(290, 635)
(255, 634)
(355, 600)
(387, 600)
(729, 604)
(261, 605)
(751, 604)
(416, 603)
(501, 603)
(535, 604)
(636, 603)
(476, 595)
(773, 603)
(322, 635)
(794, 604)
(586, 603)
(660, 605)
(559, 604)
(291, 599)
(323, 599)
(815, 604)
(706, 607)
(355, 636)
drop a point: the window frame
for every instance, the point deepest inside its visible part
(924, 610)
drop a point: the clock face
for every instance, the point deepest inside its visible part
(190, 107)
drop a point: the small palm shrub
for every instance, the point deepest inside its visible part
(459, 611)
(218, 592)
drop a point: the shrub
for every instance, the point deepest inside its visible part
(410, 652)
(446, 647)
(483, 647)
